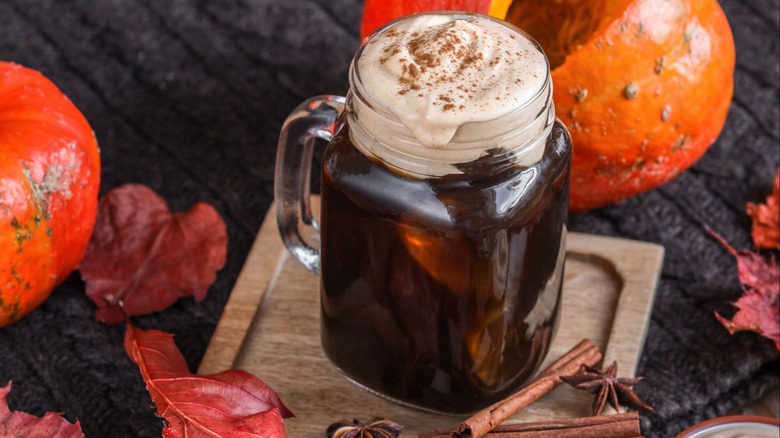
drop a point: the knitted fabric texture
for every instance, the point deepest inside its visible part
(188, 97)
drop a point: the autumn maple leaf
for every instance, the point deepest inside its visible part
(142, 258)
(766, 219)
(232, 403)
(20, 424)
(759, 306)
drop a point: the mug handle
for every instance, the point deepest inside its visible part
(315, 118)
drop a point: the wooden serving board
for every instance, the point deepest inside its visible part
(270, 327)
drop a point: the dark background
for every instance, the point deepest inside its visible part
(187, 96)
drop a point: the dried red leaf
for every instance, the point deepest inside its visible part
(21, 424)
(232, 403)
(766, 219)
(142, 258)
(759, 305)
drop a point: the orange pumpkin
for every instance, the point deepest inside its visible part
(49, 179)
(644, 86)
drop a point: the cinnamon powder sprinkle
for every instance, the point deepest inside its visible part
(453, 54)
(446, 43)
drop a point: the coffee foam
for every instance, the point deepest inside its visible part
(452, 86)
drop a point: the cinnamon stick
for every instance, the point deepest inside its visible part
(604, 426)
(584, 353)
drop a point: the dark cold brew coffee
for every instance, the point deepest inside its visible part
(441, 292)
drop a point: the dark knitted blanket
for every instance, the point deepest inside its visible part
(187, 97)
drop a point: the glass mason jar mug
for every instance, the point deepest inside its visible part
(444, 201)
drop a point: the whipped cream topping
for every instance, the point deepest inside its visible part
(452, 81)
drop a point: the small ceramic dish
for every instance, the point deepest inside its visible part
(736, 426)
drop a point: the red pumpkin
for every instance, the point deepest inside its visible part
(379, 12)
(49, 180)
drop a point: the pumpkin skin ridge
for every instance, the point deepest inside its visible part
(49, 181)
(521, 12)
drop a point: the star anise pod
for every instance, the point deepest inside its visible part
(608, 387)
(376, 427)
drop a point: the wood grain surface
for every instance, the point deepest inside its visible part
(270, 327)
